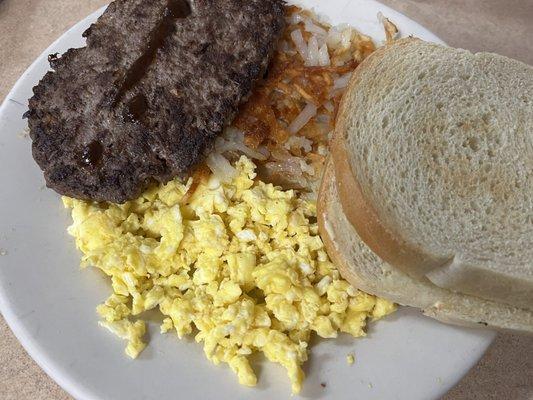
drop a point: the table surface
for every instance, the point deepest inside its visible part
(27, 27)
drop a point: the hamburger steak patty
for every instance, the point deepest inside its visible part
(156, 83)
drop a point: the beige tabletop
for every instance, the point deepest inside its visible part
(27, 27)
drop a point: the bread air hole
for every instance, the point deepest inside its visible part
(486, 118)
(472, 143)
(474, 206)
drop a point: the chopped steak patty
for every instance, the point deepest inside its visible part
(144, 100)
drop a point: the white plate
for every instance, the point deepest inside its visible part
(50, 304)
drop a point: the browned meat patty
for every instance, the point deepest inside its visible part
(144, 100)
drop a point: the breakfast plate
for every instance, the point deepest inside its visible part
(49, 303)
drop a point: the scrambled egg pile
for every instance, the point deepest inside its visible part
(239, 264)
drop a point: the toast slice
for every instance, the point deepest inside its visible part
(434, 157)
(365, 270)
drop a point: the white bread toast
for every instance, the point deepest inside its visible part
(433, 153)
(363, 269)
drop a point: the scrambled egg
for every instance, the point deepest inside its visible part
(239, 264)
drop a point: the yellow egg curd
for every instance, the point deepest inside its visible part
(239, 264)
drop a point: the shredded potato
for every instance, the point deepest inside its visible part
(286, 124)
(300, 97)
(391, 30)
